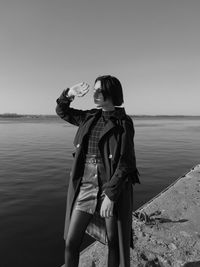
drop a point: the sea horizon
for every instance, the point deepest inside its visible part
(18, 115)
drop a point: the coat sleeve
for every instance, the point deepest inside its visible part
(65, 112)
(126, 166)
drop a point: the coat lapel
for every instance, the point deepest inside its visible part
(109, 126)
(85, 128)
(92, 117)
(112, 123)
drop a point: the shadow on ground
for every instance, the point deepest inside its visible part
(192, 264)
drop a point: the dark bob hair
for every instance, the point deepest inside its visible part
(111, 89)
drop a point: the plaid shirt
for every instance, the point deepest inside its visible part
(95, 131)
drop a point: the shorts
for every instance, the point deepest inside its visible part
(90, 195)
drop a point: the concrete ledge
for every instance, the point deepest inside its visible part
(172, 237)
(166, 229)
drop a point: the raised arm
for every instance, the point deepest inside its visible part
(63, 109)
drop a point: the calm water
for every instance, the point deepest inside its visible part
(35, 157)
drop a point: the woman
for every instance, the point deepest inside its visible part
(103, 170)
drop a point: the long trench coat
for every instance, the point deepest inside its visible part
(116, 147)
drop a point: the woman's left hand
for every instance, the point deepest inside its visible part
(107, 208)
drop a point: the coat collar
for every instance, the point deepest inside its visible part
(119, 113)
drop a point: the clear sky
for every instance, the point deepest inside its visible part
(152, 46)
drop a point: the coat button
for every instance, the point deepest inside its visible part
(110, 156)
(77, 145)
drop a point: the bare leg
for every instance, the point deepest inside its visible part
(113, 241)
(78, 224)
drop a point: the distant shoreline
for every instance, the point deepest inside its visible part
(39, 116)
(28, 116)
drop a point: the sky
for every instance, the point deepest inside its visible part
(151, 46)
